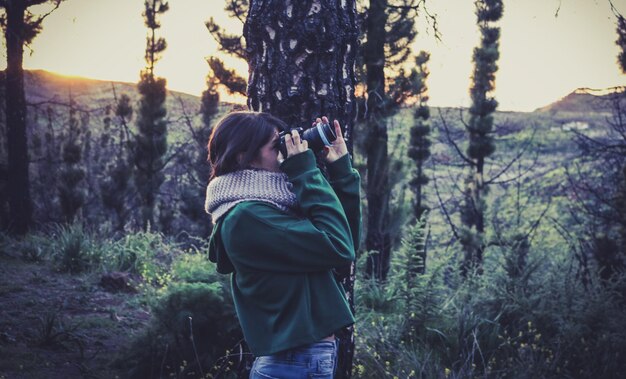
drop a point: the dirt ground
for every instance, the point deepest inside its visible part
(57, 325)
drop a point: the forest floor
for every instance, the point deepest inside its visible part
(57, 325)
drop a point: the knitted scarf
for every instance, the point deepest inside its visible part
(226, 191)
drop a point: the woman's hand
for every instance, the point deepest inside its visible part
(338, 148)
(294, 144)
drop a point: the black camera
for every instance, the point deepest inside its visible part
(317, 136)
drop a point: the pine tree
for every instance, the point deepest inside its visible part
(419, 148)
(4, 169)
(389, 30)
(116, 188)
(71, 191)
(230, 44)
(621, 42)
(301, 62)
(621, 191)
(234, 83)
(20, 28)
(48, 169)
(194, 193)
(609, 246)
(150, 144)
(377, 239)
(480, 130)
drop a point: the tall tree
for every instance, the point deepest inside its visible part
(198, 171)
(4, 174)
(116, 188)
(378, 239)
(419, 148)
(389, 30)
(20, 28)
(621, 39)
(398, 34)
(71, 195)
(603, 190)
(480, 130)
(620, 124)
(301, 59)
(232, 44)
(151, 140)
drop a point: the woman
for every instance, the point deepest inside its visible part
(280, 228)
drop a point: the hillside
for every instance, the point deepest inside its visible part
(92, 95)
(57, 321)
(587, 100)
(44, 86)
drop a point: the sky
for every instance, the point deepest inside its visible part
(543, 57)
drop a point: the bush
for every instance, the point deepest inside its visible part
(194, 267)
(145, 254)
(31, 247)
(194, 325)
(540, 320)
(73, 249)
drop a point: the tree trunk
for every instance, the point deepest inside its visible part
(18, 185)
(378, 238)
(480, 129)
(301, 58)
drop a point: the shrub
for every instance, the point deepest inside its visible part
(194, 267)
(146, 254)
(32, 247)
(73, 249)
(543, 321)
(194, 325)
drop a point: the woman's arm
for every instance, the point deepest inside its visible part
(346, 182)
(344, 179)
(260, 237)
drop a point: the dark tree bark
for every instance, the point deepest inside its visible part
(301, 66)
(301, 58)
(378, 238)
(20, 205)
(20, 28)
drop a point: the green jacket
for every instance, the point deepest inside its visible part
(282, 282)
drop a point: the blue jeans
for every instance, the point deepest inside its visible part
(317, 360)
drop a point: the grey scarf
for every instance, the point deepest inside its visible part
(226, 191)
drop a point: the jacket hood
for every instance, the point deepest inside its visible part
(217, 252)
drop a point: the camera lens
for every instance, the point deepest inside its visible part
(319, 136)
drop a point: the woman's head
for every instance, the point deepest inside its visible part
(242, 140)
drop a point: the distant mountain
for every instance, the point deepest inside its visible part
(48, 98)
(587, 100)
(47, 87)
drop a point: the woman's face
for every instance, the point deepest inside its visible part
(268, 155)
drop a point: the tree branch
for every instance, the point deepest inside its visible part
(451, 141)
(515, 159)
(30, 3)
(39, 20)
(535, 225)
(444, 210)
(235, 10)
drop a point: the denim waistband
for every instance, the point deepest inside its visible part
(304, 353)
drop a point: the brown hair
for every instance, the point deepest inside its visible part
(240, 133)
